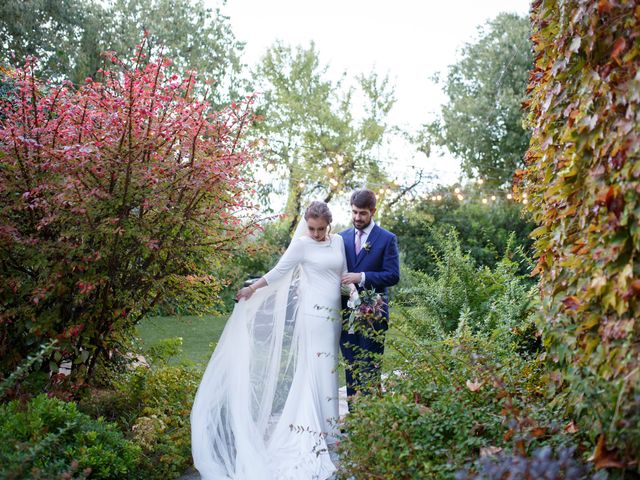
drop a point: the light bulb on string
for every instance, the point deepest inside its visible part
(333, 182)
(524, 195)
(330, 169)
(509, 196)
(493, 198)
(388, 191)
(438, 197)
(484, 200)
(480, 181)
(433, 198)
(456, 190)
(525, 201)
(381, 191)
(460, 197)
(301, 185)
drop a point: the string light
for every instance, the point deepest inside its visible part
(385, 188)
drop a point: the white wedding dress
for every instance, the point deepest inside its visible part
(267, 406)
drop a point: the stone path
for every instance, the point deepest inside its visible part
(192, 474)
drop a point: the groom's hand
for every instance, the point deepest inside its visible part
(351, 278)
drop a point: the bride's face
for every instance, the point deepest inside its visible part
(317, 228)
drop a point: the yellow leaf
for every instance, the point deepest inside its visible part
(598, 284)
(624, 276)
(591, 344)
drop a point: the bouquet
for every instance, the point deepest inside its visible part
(366, 307)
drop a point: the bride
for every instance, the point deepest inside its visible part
(267, 406)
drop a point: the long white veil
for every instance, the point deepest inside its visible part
(247, 382)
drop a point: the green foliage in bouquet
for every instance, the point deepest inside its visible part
(583, 179)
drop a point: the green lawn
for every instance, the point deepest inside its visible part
(200, 334)
(197, 334)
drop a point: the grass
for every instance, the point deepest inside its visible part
(199, 334)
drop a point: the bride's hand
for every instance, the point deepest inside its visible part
(244, 293)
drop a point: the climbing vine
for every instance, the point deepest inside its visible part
(583, 183)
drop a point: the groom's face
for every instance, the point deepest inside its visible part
(361, 217)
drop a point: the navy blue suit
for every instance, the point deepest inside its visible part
(381, 266)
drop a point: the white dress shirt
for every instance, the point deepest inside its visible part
(363, 241)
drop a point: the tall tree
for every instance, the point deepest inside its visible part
(68, 36)
(482, 122)
(47, 29)
(315, 140)
(193, 35)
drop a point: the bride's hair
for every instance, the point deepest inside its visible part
(318, 209)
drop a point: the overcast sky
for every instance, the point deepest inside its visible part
(411, 40)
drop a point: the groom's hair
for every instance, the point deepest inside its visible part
(364, 198)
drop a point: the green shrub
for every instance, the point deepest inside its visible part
(163, 428)
(448, 401)
(47, 438)
(153, 405)
(484, 231)
(490, 301)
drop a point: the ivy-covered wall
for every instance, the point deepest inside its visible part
(583, 181)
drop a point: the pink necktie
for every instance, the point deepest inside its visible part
(359, 241)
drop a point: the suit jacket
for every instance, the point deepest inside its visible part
(380, 262)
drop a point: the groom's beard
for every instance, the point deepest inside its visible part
(361, 225)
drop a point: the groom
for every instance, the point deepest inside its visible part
(372, 262)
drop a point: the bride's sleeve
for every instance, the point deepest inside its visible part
(344, 255)
(289, 260)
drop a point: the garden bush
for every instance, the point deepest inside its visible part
(448, 401)
(495, 301)
(484, 231)
(152, 404)
(113, 195)
(543, 464)
(46, 438)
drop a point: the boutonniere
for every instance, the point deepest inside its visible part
(366, 246)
